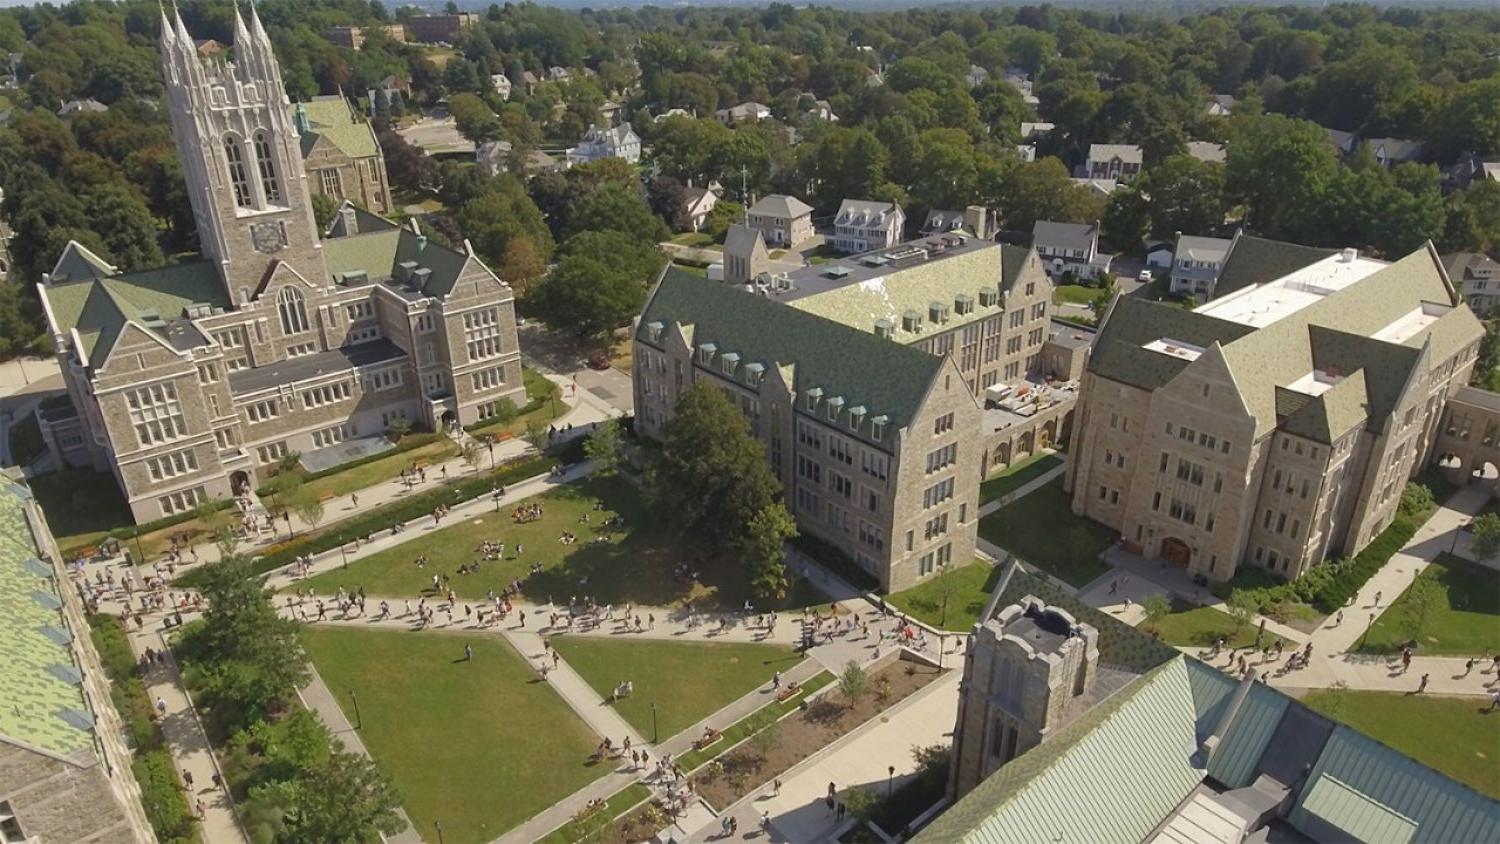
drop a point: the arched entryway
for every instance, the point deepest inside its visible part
(1048, 434)
(448, 419)
(1002, 455)
(1176, 552)
(239, 482)
(1024, 444)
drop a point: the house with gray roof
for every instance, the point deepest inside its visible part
(1206, 151)
(1219, 105)
(784, 221)
(743, 113)
(1121, 162)
(1275, 425)
(973, 221)
(601, 142)
(1393, 151)
(83, 106)
(873, 441)
(1196, 263)
(1145, 744)
(862, 225)
(193, 381)
(1477, 277)
(1066, 247)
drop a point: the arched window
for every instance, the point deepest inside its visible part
(237, 178)
(293, 310)
(268, 184)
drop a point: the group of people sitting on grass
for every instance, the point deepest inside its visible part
(527, 512)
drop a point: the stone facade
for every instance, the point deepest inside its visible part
(784, 221)
(190, 381)
(1276, 425)
(883, 471)
(340, 155)
(1026, 664)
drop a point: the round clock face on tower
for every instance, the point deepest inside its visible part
(268, 237)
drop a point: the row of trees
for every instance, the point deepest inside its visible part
(293, 780)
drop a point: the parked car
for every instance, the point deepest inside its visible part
(1145, 276)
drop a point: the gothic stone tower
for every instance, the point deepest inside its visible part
(241, 158)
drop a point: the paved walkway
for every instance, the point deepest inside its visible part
(1027, 488)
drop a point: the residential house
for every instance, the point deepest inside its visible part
(976, 76)
(821, 110)
(83, 106)
(743, 113)
(1275, 425)
(1026, 152)
(340, 154)
(1022, 83)
(1219, 105)
(501, 83)
(1031, 131)
(784, 221)
(1121, 162)
(1066, 247)
(1461, 173)
(1477, 278)
(530, 81)
(1196, 265)
(672, 112)
(862, 225)
(1101, 188)
(973, 221)
(560, 75)
(613, 142)
(495, 158)
(611, 112)
(693, 208)
(745, 254)
(1393, 151)
(1342, 142)
(1206, 151)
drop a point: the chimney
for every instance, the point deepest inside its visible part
(299, 117)
(1348, 255)
(977, 217)
(351, 219)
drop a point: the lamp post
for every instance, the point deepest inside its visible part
(489, 443)
(344, 552)
(654, 737)
(359, 721)
(438, 825)
(890, 779)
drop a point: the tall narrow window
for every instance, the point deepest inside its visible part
(237, 178)
(293, 310)
(268, 184)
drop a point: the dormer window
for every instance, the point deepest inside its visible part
(812, 397)
(937, 312)
(963, 304)
(835, 405)
(885, 329)
(856, 417)
(877, 428)
(653, 331)
(754, 374)
(911, 322)
(706, 353)
(728, 362)
(988, 297)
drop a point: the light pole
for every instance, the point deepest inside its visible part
(890, 780)
(489, 443)
(438, 825)
(654, 737)
(344, 552)
(942, 640)
(359, 721)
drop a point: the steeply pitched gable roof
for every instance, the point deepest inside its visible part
(333, 118)
(780, 205)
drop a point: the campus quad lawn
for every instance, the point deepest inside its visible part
(1190, 626)
(1074, 294)
(1463, 747)
(1017, 475)
(968, 589)
(688, 681)
(1465, 621)
(634, 565)
(1042, 530)
(480, 745)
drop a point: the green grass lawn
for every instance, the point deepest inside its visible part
(1042, 530)
(1190, 626)
(967, 587)
(687, 681)
(583, 829)
(633, 564)
(696, 240)
(1074, 294)
(481, 745)
(1017, 475)
(692, 269)
(1465, 748)
(380, 471)
(1465, 618)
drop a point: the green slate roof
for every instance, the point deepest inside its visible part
(100, 308)
(886, 378)
(1256, 260)
(378, 253)
(41, 697)
(332, 117)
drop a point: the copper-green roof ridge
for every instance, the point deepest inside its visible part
(1140, 741)
(887, 378)
(333, 118)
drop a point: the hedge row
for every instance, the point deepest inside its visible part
(448, 492)
(408, 442)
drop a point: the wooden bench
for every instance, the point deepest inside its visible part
(710, 735)
(326, 497)
(791, 689)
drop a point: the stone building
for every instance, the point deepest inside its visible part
(190, 380)
(873, 441)
(1277, 424)
(784, 221)
(745, 254)
(433, 29)
(353, 37)
(340, 155)
(1031, 667)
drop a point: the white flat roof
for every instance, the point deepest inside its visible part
(1315, 383)
(1175, 348)
(1411, 323)
(1263, 304)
